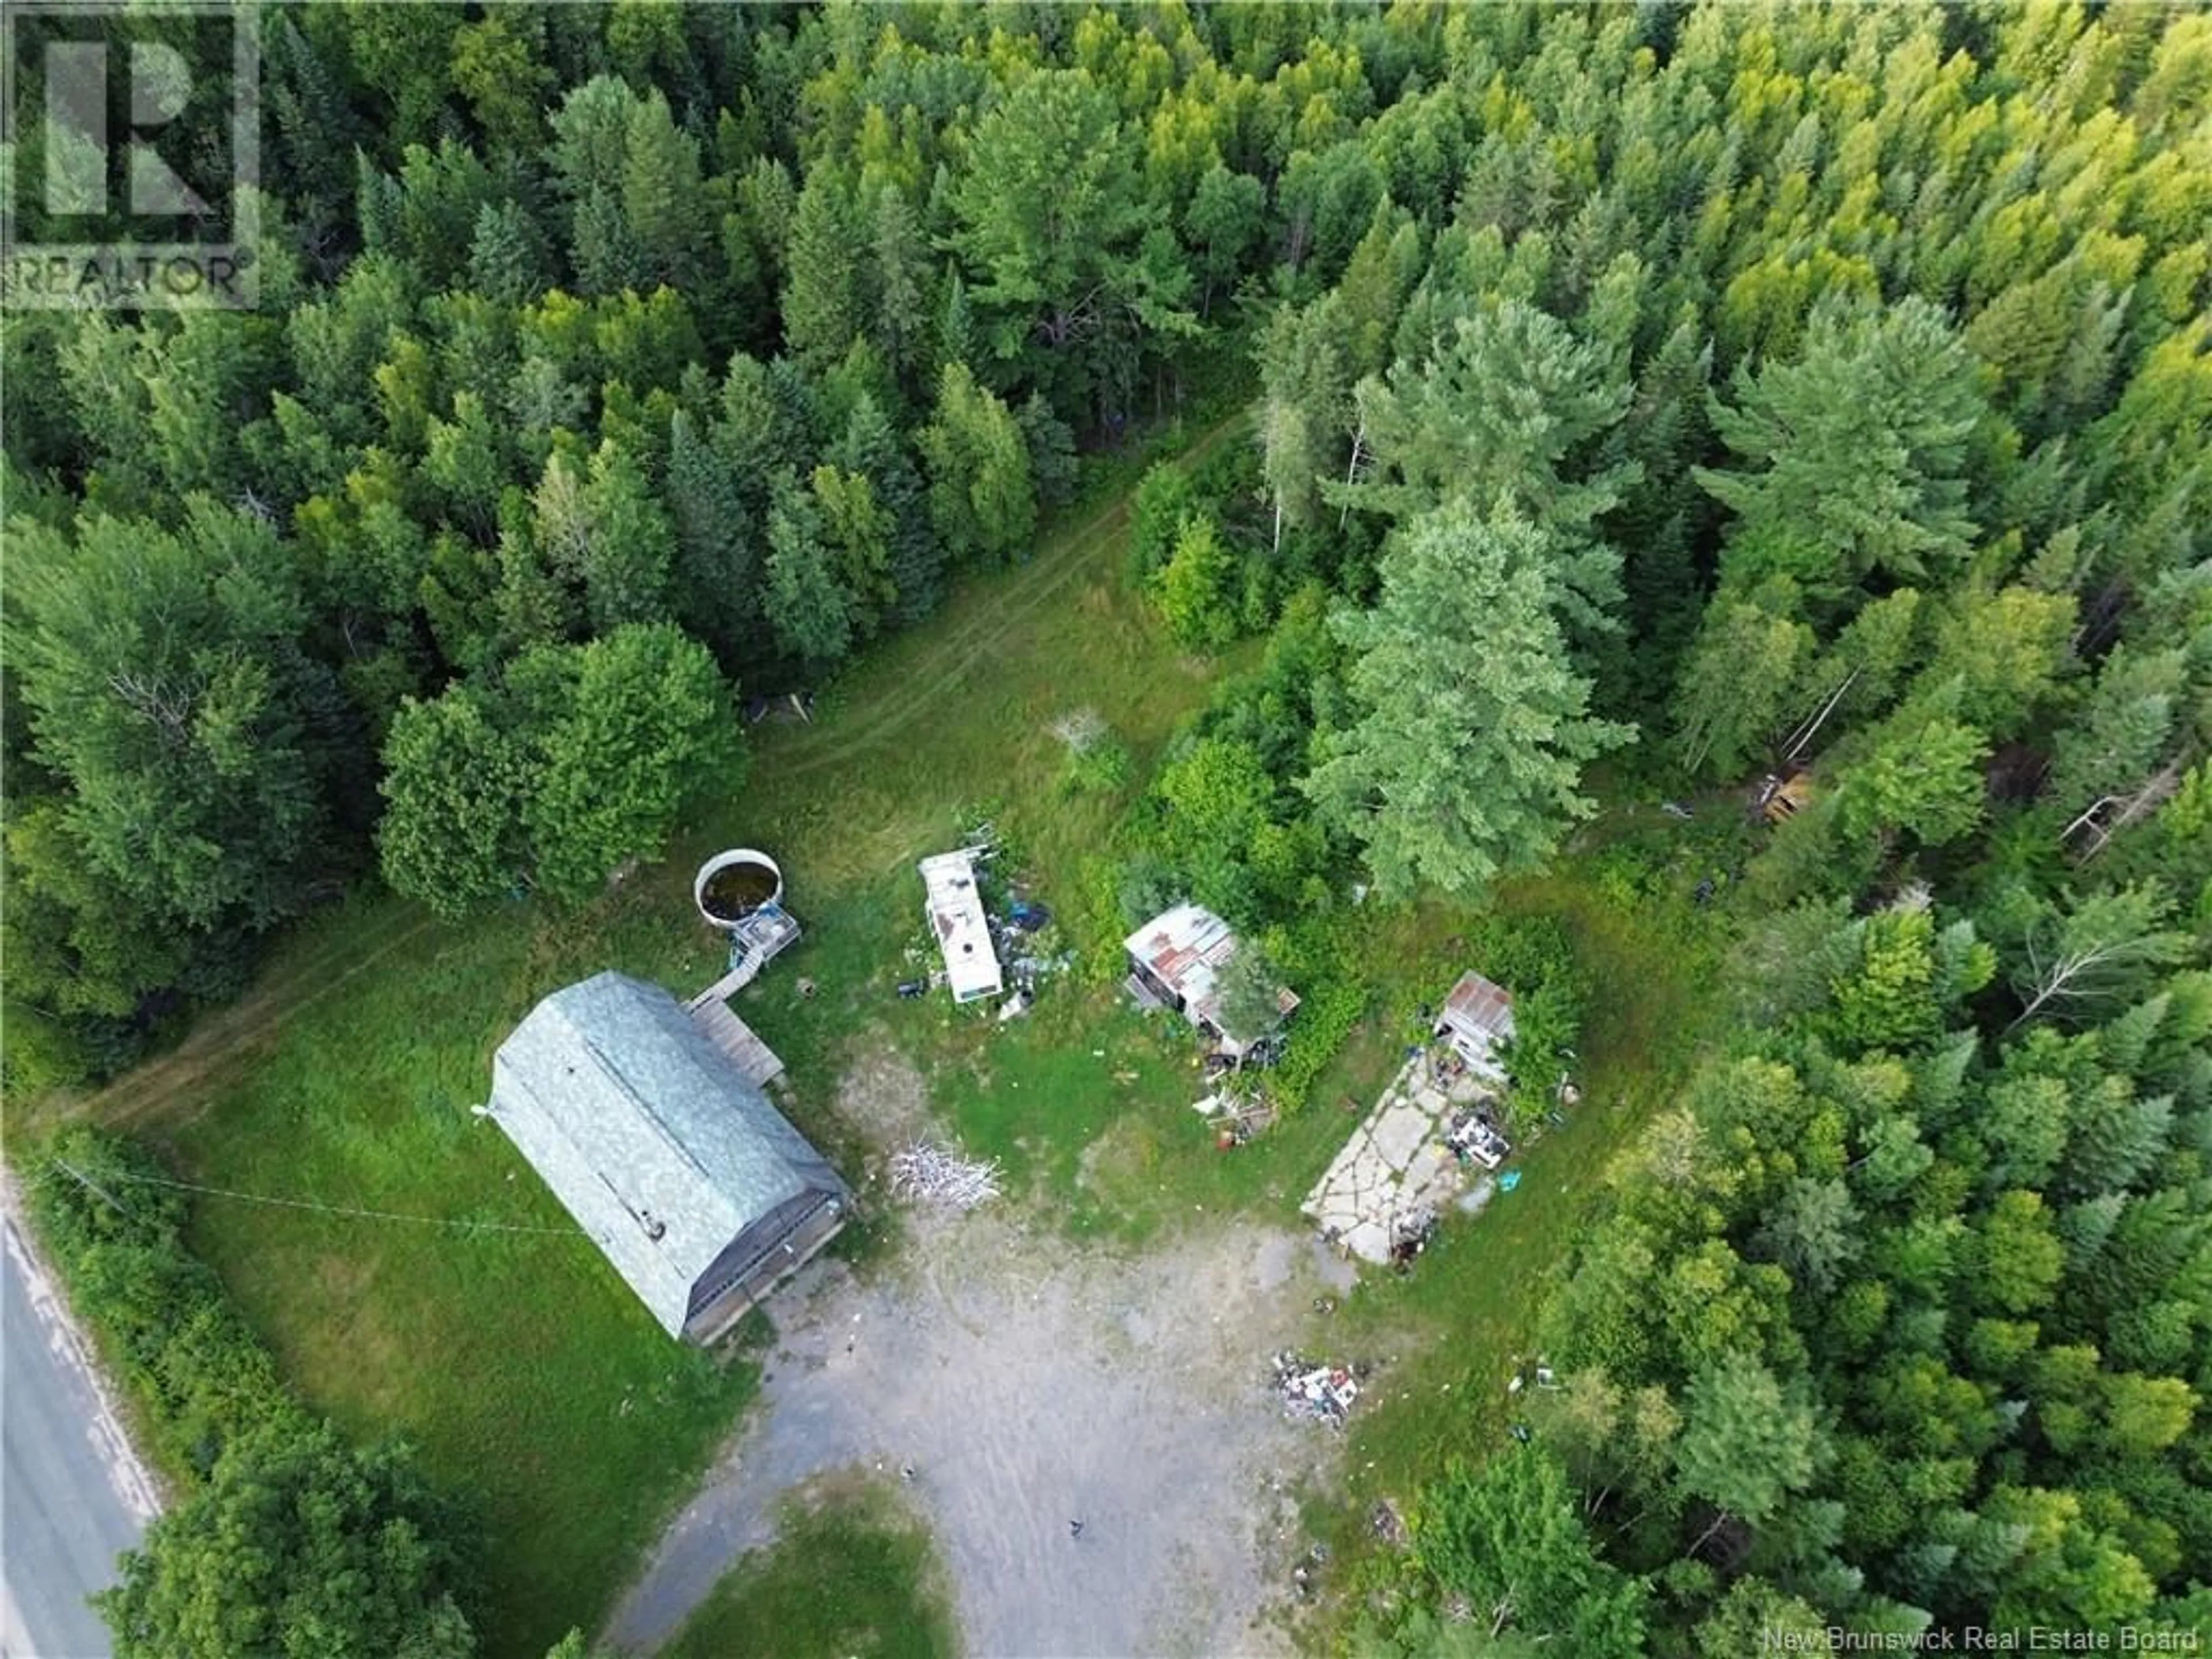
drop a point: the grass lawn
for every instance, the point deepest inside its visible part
(849, 1576)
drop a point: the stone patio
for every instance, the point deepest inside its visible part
(1396, 1169)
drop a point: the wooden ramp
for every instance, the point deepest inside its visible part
(727, 986)
(754, 1058)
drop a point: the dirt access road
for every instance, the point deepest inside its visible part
(1029, 1385)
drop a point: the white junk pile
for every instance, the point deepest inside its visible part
(932, 1175)
(1319, 1394)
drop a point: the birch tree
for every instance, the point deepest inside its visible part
(2078, 953)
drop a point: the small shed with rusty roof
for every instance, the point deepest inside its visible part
(1176, 962)
(700, 1194)
(1476, 1021)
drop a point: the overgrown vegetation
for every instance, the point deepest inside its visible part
(114, 1224)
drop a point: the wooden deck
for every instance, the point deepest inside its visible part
(754, 1058)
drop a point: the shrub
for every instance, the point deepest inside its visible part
(1192, 588)
(116, 1235)
(1164, 499)
(1097, 763)
(1100, 768)
(1327, 1012)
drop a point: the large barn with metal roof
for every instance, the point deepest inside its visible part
(698, 1190)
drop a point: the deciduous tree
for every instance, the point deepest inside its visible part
(296, 1543)
(454, 786)
(1734, 693)
(165, 686)
(651, 723)
(2091, 949)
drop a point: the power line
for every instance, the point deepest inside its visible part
(341, 1209)
(90, 1185)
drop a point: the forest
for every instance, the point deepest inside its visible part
(1642, 398)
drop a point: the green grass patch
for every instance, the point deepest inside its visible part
(850, 1576)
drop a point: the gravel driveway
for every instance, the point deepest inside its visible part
(1030, 1385)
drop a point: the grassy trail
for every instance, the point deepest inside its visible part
(217, 1043)
(924, 684)
(330, 953)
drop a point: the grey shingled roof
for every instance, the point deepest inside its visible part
(634, 1118)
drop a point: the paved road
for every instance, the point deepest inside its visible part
(72, 1494)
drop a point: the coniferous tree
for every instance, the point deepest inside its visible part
(664, 205)
(1508, 1537)
(809, 609)
(1853, 456)
(901, 286)
(716, 567)
(871, 447)
(1509, 411)
(1747, 1441)
(1465, 760)
(823, 263)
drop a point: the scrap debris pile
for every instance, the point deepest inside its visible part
(1021, 927)
(932, 1175)
(1473, 1136)
(1411, 1235)
(1319, 1394)
(1236, 1117)
(1015, 932)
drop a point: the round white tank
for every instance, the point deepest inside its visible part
(730, 886)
